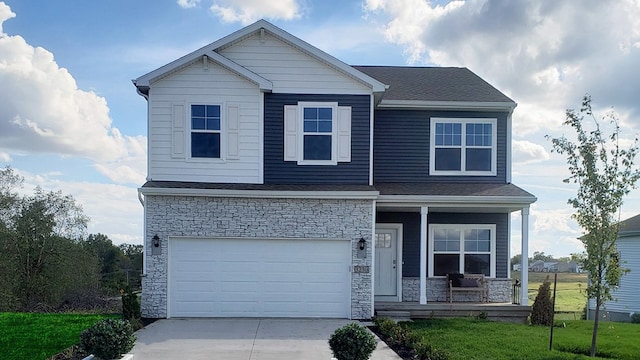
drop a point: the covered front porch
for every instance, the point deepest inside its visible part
(422, 236)
(493, 311)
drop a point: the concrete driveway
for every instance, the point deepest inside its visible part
(246, 339)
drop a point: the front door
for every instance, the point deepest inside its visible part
(387, 263)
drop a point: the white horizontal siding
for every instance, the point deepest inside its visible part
(289, 69)
(628, 294)
(195, 85)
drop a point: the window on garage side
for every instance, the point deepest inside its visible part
(462, 249)
(463, 146)
(205, 131)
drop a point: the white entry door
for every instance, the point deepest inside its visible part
(387, 267)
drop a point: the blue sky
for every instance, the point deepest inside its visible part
(70, 118)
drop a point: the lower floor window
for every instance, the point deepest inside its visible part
(462, 248)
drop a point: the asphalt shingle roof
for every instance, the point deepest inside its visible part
(630, 225)
(426, 189)
(433, 84)
(452, 189)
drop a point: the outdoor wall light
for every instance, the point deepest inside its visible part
(156, 240)
(362, 243)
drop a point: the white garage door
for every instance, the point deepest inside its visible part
(259, 278)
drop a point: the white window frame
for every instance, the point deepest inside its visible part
(221, 132)
(462, 252)
(334, 131)
(463, 146)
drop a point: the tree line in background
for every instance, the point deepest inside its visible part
(47, 260)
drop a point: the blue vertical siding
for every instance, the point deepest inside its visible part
(411, 235)
(401, 146)
(278, 171)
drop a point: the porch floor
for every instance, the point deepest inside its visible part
(412, 310)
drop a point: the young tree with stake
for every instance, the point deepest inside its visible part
(604, 173)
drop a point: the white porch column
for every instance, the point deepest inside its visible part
(424, 210)
(524, 274)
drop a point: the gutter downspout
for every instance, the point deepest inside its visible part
(144, 233)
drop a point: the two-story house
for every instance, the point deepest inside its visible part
(283, 182)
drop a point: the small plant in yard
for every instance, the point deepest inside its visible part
(394, 334)
(542, 310)
(352, 342)
(108, 339)
(425, 351)
(635, 318)
(131, 308)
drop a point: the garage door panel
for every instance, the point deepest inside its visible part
(255, 278)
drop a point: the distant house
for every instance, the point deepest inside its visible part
(517, 267)
(628, 293)
(574, 267)
(537, 266)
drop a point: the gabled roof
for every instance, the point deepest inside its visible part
(143, 82)
(444, 87)
(629, 227)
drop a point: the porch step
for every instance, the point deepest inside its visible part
(395, 315)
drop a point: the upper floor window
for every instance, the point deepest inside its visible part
(205, 131)
(456, 248)
(317, 133)
(463, 146)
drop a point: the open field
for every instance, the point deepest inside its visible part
(570, 296)
(39, 336)
(517, 341)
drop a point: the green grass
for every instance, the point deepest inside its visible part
(469, 339)
(39, 336)
(570, 296)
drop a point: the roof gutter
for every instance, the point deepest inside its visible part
(265, 194)
(447, 105)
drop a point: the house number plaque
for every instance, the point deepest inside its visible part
(360, 269)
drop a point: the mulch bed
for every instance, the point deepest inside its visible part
(405, 352)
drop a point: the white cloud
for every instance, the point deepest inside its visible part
(525, 152)
(187, 4)
(42, 110)
(545, 54)
(248, 11)
(5, 14)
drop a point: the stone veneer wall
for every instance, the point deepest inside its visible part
(499, 291)
(200, 216)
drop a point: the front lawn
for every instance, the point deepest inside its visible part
(39, 336)
(467, 338)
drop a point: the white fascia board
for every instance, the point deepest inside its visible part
(228, 40)
(264, 194)
(446, 105)
(146, 80)
(438, 200)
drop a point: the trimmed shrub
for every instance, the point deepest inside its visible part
(108, 338)
(131, 308)
(352, 342)
(635, 318)
(542, 310)
(425, 351)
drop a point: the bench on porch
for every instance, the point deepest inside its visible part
(468, 283)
